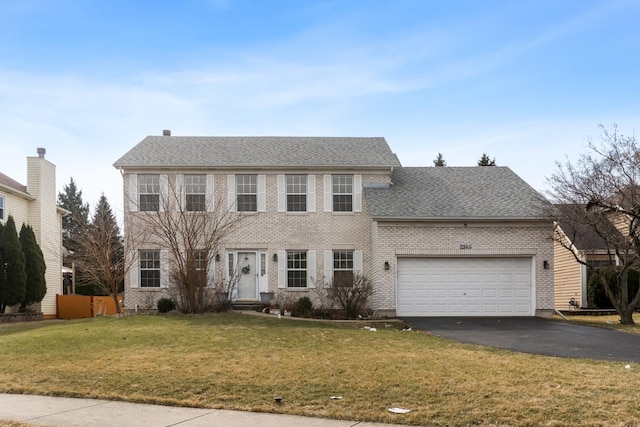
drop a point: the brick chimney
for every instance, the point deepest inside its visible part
(166, 132)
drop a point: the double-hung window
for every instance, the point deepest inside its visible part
(296, 193)
(1, 208)
(195, 192)
(149, 192)
(247, 193)
(200, 266)
(342, 193)
(343, 267)
(296, 269)
(149, 268)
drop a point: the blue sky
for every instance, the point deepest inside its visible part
(526, 82)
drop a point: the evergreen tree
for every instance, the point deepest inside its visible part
(486, 161)
(13, 278)
(440, 161)
(36, 285)
(72, 225)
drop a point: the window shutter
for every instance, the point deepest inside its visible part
(311, 269)
(328, 266)
(282, 269)
(231, 193)
(164, 192)
(133, 193)
(357, 193)
(210, 193)
(282, 193)
(311, 193)
(357, 262)
(211, 271)
(164, 268)
(328, 191)
(134, 275)
(181, 193)
(262, 193)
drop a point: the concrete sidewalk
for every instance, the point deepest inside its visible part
(67, 412)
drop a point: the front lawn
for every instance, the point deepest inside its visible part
(611, 322)
(236, 361)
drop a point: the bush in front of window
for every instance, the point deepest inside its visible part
(166, 305)
(597, 296)
(303, 307)
(351, 293)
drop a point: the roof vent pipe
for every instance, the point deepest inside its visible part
(166, 132)
(41, 152)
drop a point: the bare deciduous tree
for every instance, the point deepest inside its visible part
(100, 252)
(191, 228)
(600, 194)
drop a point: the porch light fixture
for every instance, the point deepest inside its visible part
(545, 264)
(217, 257)
(275, 257)
(386, 265)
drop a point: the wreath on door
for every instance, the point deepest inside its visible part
(246, 269)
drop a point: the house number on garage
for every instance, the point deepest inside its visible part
(465, 246)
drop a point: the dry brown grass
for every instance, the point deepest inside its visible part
(242, 362)
(610, 322)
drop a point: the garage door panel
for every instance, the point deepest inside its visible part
(464, 286)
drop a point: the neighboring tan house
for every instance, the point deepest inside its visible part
(35, 204)
(577, 240)
(436, 241)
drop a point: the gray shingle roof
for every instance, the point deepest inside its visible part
(574, 221)
(488, 192)
(11, 183)
(268, 151)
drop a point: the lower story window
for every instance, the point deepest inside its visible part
(296, 269)
(149, 268)
(343, 267)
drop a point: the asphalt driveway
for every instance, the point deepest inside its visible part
(535, 335)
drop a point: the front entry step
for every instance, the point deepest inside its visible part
(247, 305)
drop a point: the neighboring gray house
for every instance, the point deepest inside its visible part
(437, 241)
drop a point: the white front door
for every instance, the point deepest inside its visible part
(247, 276)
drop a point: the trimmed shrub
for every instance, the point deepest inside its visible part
(303, 307)
(166, 305)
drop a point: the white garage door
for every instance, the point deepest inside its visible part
(464, 287)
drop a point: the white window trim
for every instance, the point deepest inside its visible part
(311, 270)
(282, 193)
(328, 263)
(356, 193)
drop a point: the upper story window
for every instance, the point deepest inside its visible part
(296, 193)
(296, 269)
(342, 193)
(195, 192)
(247, 193)
(149, 268)
(1, 208)
(343, 267)
(149, 192)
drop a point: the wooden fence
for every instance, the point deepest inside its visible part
(80, 306)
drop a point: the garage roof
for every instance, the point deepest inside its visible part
(442, 193)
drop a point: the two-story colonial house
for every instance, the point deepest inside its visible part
(436, 241)
(35, 204)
